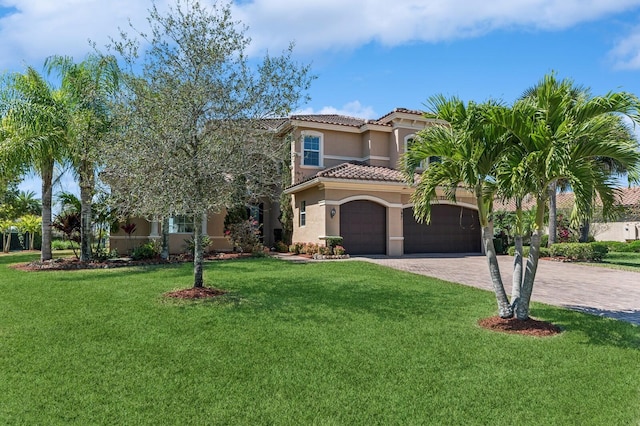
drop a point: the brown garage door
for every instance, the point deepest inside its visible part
(363, 227)
(453, 229)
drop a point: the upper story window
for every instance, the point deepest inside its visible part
(312, 149)
(408, 141)
(181, 224)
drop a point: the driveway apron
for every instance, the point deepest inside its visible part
(600, 291)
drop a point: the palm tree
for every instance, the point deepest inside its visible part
(560, 136)
(27, 203)
(34, 126)
(89, 85)
(469, 148)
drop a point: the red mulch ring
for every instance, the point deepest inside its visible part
(196, 293)
(529, 327)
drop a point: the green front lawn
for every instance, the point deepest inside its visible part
(627, 261)
(321, 343)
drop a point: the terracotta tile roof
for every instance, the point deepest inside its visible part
(345, 120)
(356, 170)
(402, 110)
(331, 119)
(361, 171)
(628, 197)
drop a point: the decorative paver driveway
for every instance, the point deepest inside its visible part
(600, 291)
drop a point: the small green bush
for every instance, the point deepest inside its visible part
(544, 240)
(339, 250)
(634, 246)
(63, 245)
(281, 247)
(600, 250)
(573, 251)
(617, 246)
(544, 251)
(145, 251)
(295, 248)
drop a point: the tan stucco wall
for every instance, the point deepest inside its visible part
(615, 231)
(315, 217)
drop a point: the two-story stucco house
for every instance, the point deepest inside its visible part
(346, 182)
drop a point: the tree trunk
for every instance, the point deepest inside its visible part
(164, 253)
(86, 196)
(553, 221)
(197, 253)
(47, 196)
(516, 284)
(584, 231)
(522, 307)
(32, 237)
(504, 308)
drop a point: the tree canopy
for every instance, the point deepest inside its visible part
(196, 116)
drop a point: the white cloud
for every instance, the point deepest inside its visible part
(626, 52)
(351, 109)
(338, 24)
(39, 28)
(36, 29)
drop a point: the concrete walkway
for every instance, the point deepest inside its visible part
(595, 290)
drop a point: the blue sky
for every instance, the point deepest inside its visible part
(371, 56)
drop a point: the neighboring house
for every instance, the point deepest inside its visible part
(346, 182)
(625, 228)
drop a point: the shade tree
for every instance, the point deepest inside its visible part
(196, 116)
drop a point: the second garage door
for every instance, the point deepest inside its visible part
(363, 227)
(453, 229)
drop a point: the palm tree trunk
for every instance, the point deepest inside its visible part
(516, 284)
(197, 253)
(522, 307)
(584, 231)
(553, 221)
(86, 195)
(504, 308)
(47, 196)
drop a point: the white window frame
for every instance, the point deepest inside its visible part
(320, 150)
(425, 163)
(303, 213)
(179, 223)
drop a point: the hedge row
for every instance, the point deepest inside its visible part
(589, 252)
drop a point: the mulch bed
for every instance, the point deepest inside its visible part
(196, 293)
(72, 263)
(529, 327)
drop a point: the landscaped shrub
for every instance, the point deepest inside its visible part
(573, 251)
(281, 247)
(544, 251)
(189, 245)
(295, 248)
(544, 240)
(634, 246)
(600, 250)
(324, 250)
(617, 246)
(245, 235)
(145, 251)
(63, 245)
(331, 242)
(309, 248)
(339, 250)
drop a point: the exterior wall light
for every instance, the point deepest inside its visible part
(333, 212)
